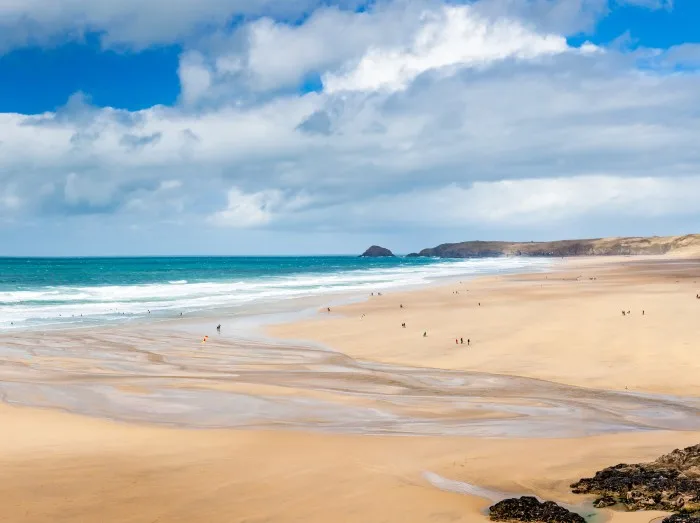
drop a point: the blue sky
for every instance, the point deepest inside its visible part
(233, 127)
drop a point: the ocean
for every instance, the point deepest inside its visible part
(56, 292)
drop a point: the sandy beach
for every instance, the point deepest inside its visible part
(64, 468)
(564, 326)
(555, 384)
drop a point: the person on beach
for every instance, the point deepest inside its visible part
(218, 328)
(403, 325)
(329, 309)
(461, 341)
(425, 334)
(456, 341)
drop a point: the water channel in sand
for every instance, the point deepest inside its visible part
(164, 375)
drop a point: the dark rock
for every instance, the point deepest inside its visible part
(683, 517)
(529, 509)
(671, 483)
(375, 251)
(605, 501)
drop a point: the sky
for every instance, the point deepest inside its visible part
(157, 127)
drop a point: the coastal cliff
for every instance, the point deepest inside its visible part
(688, 244)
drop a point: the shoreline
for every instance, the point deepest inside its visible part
(358, 280)
(56, 466)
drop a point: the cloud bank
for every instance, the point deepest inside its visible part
(459, 120)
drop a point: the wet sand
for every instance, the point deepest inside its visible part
(57, 467)
(370, 416)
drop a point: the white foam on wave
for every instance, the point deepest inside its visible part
(64, 304)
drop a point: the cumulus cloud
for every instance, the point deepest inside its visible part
(386, 47)
(450, 36)
(132, 23)
(430, 115)
(245, 210)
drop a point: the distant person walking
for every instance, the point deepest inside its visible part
(218, 328)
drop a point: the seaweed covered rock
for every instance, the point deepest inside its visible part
(530, 509)
(683, 517)
(671, 483)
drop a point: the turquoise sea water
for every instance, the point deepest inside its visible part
(38, 292)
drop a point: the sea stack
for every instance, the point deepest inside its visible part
(375, 251)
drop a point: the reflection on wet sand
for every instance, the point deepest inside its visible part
(165, 376)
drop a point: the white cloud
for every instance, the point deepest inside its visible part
(248, 210)
(649, 4)
(9, 201)
(195, 77)
(465, 118)
(132, 23)
(385, 48)
(79, 190)
(451, 36)
(533, 202)
(169, 185)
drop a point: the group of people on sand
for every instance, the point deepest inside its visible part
(458, 341)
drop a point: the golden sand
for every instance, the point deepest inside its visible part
(562, 326)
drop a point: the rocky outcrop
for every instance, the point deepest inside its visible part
(671, 483)
(375, 251)
(684, 517)
(591, 247)
(530, 509)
